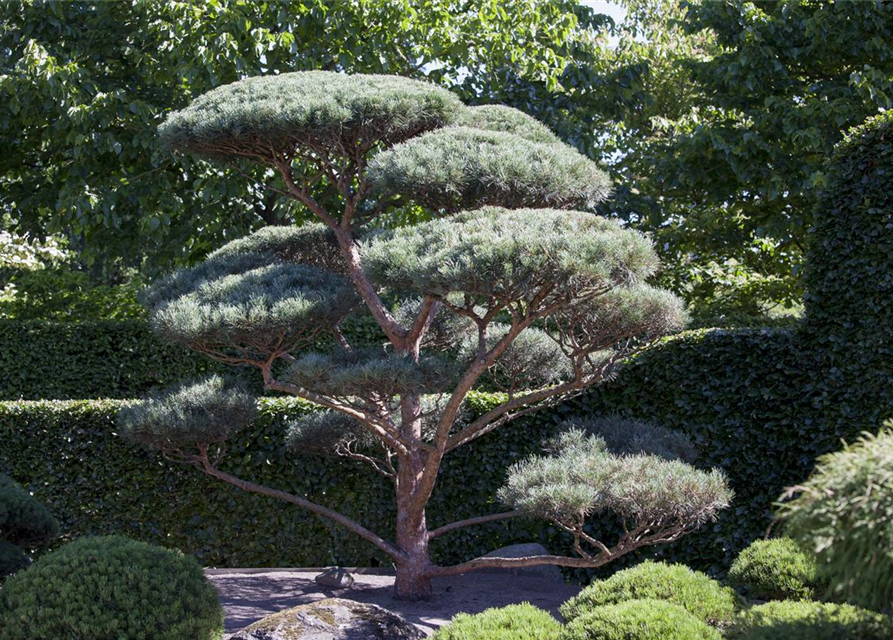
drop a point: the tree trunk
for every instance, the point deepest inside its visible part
(413, 580)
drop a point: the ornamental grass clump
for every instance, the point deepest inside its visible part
(514, 622)
(110, 588)
(694, 591)
(25, 524)
(510, 281)
(844, 514)
(806, 620)
(639, 620)
(777, 569)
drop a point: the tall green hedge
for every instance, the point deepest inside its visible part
(102, 358)
(47, 360)
(746, 418)
(96, 482)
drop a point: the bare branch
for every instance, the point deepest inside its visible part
(470, 522)
(325, 512)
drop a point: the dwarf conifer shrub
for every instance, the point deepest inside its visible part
(776, 569)
(844, 513)
(110, 588)
(806, 620)
(509, 267)
(514, 622)
(639, 620)
(25, 524)
(694, 591)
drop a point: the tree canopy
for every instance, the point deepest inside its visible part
(86, 84)
(539, 301)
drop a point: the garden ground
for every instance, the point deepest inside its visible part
(248, 595)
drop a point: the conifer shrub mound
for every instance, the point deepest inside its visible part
(515, 622)
(776, 569)
(110, 588)
(694, 591)
(639, 620)
(805, 620)
(25, 524)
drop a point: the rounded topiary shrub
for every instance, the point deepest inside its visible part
(805, 620)
(515, 622)
(110, 588)
(639, 620)
(25, 524)
(694, 591)
(776, 569)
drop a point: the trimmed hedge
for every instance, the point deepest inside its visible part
(46, 360)
(514, 622)
(97, 483)
(639, 620)
(102, 358)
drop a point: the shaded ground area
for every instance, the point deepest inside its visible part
(248, 595)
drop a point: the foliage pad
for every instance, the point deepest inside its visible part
(310, 111)
(463, 168)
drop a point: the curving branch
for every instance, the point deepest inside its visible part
(642, 536)
(206, 466)
(470, 522)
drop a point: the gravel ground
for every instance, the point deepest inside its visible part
(248, 595)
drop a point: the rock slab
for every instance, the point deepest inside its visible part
(332, 619)
(335, 578)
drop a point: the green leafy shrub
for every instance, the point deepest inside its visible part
(63, 294)
(776, 569)
(514, 622)
(805, 620)
(110, 588)
(696, 592)
(844, 512)
(639, 620)
(24, 524)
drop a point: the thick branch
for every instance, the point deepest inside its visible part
(395, 333)
(630, 541)
(392, 439)
(325, 512)
(470, 522)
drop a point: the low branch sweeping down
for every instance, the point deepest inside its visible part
(509, 282)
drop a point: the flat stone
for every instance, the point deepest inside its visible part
(332, 619)
(335, 578)
(547, 571)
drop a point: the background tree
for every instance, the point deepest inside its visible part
(542, 302)
(729, 184)
(86, 84)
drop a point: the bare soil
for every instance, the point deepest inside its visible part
(248, 595)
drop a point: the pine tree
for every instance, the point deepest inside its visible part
(507, 280)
